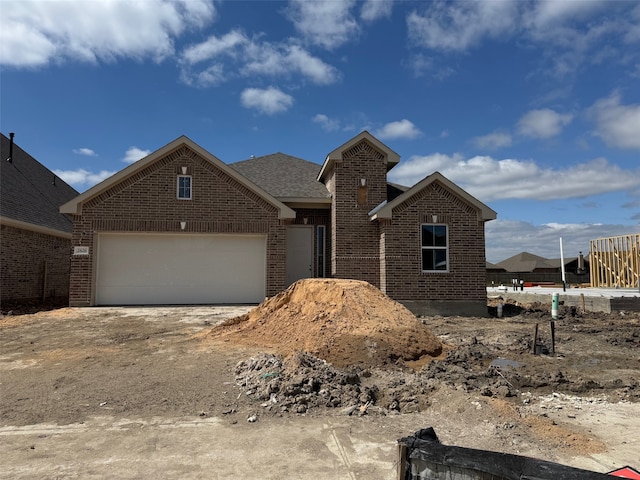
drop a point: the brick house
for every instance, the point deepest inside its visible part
(35, 238)
(181, 227)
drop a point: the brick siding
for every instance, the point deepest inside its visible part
(385, 253)
(356, 249)
(33, 266)
(146, 202)
(400, 249)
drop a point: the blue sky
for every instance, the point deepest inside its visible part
(531, 106)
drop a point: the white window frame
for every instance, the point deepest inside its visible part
(190, 187)
(435, 247)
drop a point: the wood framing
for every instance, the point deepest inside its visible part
(615, 261)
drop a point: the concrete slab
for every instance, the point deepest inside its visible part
(589, 299)
(107, 447)
(589, 292)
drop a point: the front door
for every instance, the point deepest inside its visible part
(299, 253)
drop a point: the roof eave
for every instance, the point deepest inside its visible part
(10, 222)
(306, 202)
(286, 213)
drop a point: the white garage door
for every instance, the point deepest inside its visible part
(180, 269)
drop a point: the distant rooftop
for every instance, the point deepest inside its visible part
(528, 262)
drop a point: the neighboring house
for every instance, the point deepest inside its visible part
(181, 227)
(493, 267)
(35, 238)
(525, 262)
(532, 268)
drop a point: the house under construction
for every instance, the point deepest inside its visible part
(615, 261)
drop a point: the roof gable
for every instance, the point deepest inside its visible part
(74, 206)
(31, 194)
(385, 210)
(391, 157)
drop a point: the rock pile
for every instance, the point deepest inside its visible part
(299, 383)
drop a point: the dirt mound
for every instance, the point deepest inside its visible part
(345, 322)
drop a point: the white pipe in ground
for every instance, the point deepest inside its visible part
(555, 300)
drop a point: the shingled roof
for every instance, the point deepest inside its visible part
(30, 192)
(525, 262)
(283, 176)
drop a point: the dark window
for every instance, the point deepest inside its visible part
(320, 251)
(434, 248)
(184, 187)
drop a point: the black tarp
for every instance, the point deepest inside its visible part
(425, 458)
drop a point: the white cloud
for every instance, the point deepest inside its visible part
(327, 124)
(400, 129)
(422, 65)
(570, 32)
(81, 178)
(214, 46)
(633, 34)
(458, 26)
(211, 76)
(269, 101)
(311, 67)
(271, 59)
(549, 13)
(489, 179)
(322, 23)
(133, 154)
(36, 32)
(493, 141)
(85, 151)
(505, 238)
(375, 9)
(544, 123)
(618, 125)
(240, 56)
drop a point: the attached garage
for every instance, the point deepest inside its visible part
(172, 269)
(178, 227)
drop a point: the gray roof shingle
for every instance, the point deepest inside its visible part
(28, 192)
(525, 262)
(283, 176)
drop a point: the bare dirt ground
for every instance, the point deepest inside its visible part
(167, 392)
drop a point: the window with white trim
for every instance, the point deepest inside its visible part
(435, 250)
(184, 187)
